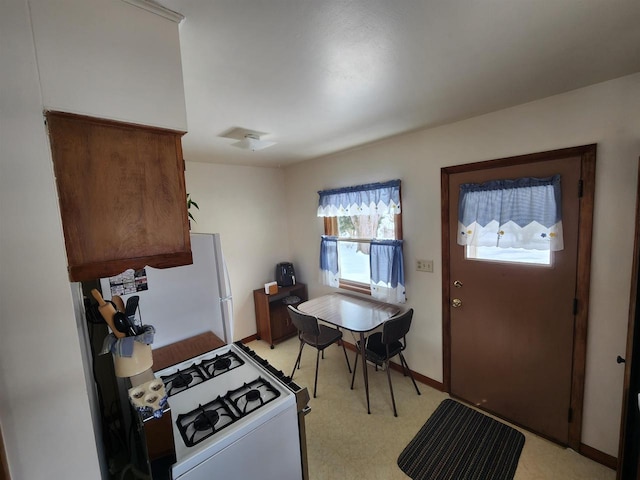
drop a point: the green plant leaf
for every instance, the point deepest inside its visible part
(191, 203)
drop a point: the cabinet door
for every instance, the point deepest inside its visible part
(122, 195)
(281, 325)
(278, 321)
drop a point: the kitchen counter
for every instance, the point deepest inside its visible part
(168, 355)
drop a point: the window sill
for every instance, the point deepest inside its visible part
(355, 287)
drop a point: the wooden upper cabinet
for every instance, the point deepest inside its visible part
(122, 195)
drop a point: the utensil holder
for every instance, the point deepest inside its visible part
(138, 362)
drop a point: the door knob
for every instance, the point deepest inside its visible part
(620, 359)
(456, 302)
(457, 284)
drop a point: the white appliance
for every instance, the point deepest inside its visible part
(231, 419)
(185, 301)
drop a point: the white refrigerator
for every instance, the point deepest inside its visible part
(181, 302)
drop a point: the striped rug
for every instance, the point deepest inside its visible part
(458, 443)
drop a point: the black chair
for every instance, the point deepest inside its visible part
(312, 333)
(382, 346)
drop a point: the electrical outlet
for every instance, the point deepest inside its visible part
(424, 266)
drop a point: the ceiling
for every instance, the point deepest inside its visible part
(323, 76)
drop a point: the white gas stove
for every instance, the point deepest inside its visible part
(232, 418)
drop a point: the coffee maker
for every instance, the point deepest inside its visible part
(285, 274)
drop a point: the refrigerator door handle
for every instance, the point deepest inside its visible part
(226, 306)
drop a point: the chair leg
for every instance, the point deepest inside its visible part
(297, 364)
(315, 384)
(355, 367)
(406, 365)
(345, 356)
(393, 400)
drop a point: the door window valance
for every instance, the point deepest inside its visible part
(519, 213)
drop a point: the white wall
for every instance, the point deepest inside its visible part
(606, 114)
(43, 396)
(109, 59)
(246, 205)
(96, 57)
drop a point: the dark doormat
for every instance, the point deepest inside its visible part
(459, 443)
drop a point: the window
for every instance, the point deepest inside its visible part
(515, 221)
(509, 255)
(354, 235)
(362, 246)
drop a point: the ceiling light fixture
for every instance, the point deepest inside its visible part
(252, 142)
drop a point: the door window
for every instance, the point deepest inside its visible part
(526, 256)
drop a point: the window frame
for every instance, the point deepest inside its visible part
(331, 229)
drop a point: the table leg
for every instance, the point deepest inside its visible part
(364, 370)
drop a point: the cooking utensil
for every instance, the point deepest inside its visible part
(122, 323)
(107, 311)
(133, 330)
(132, 305)
(130, 312)
(119, 303)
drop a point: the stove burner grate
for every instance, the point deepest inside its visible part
(204, 421)
(183, 379)
(252, 396)
(220, 364)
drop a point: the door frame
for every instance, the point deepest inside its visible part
(4, 463)
(587, 154)
(628, 455)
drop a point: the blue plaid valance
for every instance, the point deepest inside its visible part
(520, 213)
(372, 198)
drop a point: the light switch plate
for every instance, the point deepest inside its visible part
(424, 266)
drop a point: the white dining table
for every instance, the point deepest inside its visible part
(357, 314)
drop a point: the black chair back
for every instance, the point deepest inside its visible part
(306, 324)
(397, 327)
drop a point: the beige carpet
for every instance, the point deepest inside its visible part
(345, 443)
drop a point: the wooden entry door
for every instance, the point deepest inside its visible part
(516, 340)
